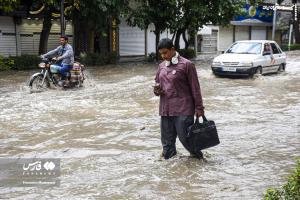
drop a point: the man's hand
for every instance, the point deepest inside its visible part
(59, 58)
(199, 113)
(157, 90)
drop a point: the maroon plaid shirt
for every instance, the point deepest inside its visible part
(181, 89)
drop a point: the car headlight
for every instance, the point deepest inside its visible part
(214, 63)
(250, 64)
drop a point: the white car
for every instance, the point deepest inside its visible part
(249, 57)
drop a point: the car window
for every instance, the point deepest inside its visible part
(245, 48)
(280, 51)
(275, 49)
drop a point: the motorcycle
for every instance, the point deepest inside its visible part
(43, 79)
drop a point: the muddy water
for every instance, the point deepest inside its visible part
(107, 135)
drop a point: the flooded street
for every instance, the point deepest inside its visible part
(108, 138)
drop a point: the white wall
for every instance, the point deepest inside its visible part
(225, 37)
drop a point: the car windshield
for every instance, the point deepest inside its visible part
(245, 48)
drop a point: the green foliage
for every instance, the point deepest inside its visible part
(192, 14)
(6, 63)
(290, 190)
(19, 62)
(99, 14)
(91, 59)
(25, 62)
(285, 47)
(8, 5)
(187, 53)
(158, 12)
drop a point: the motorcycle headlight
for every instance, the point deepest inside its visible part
(42, 65)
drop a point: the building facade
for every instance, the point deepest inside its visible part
(22, 36)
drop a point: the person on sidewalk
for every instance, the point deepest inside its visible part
(177, 85)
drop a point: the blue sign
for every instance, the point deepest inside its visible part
(253, 13)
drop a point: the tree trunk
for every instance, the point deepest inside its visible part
(45, 32)
(173, 37)
(91, 36)
(187, 44)
(80, 43)
(177, 38)
(296, 30)
(157, 38)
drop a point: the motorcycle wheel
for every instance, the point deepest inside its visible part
(36, 83)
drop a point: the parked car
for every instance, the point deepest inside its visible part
(249, 57)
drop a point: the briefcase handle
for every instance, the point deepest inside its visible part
(203, 117)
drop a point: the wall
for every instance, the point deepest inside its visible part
(225, 37)
(241, 33)
(7, 36)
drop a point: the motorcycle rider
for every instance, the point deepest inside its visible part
(64, 56)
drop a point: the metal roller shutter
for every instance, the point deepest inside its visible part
(131, 40)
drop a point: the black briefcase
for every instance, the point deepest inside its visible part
(202, 135)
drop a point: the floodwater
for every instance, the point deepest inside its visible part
(108, 139)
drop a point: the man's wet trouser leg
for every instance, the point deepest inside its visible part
(168, 136)
(182, 123)
(171, 126)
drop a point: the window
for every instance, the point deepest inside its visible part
(275, 49)
(245, 48)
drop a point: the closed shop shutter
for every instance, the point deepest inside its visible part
(131, 40)
(7, 36)
(258, 33)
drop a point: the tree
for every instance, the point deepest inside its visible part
(94, 16)
(159, 12)
(45, 9)
(8, 5)
(193, 14)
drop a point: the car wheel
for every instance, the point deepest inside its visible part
(281, 68)
(257, 72)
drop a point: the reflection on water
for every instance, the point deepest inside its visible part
(107, 134)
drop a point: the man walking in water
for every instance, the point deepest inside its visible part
(180, 98)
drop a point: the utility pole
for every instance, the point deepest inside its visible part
(62, 18)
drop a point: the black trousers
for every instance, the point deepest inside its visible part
(171, 127)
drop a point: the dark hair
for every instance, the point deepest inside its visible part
(165, 43)
(65, 37)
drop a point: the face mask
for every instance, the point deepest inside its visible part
(174, 60)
